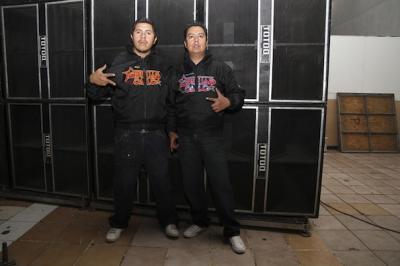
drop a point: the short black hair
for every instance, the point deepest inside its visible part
(195, 24)
(144, 20)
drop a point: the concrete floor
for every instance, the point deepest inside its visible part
(366, 186)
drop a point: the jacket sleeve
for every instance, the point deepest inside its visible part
(97, 93)
(232, 89)
(171, 106)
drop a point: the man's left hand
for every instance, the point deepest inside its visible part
(220, 103)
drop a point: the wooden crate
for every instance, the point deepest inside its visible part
(367, 122)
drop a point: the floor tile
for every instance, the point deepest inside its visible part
(46, 232)
(327, 182)
(391, 208)
(351, 180)
(188, 257)
(33, 213)
(226, 257)
(369, 209)
(25, 252)
(339, 175)
(144, 256)
(391, 258)
(265, 240)
(393, 182)
(394, 235)
(358, 258)
(340, 189)
(298, 242)
(341, 240)
(395, 197)
(316, 258)
(20, 203)
(63, 254)
(353, 224)
(391, 222)
(327, 223)
(285, 257)
(379, 199)
(12, 230)
(324, 190)
(363, 190)
(93, 218)
(102, 255)
(353, 198)
(340, 207)
(387, 190)
(61, 215)
(371, 182)
(6, 212)
(329, 198)
(323, 211)
(79, 234)
(378, 240)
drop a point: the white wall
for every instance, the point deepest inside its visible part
(363, 64)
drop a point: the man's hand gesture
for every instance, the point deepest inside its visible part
(220, 103)
(100, 78)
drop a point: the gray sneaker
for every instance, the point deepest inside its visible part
(113, 234)
(237, 244)
(193, 231)
(171, 231)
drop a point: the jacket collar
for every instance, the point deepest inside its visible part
(129, 49)
(189, 66)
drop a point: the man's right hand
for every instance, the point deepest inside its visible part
(173, 141)
(100, 78)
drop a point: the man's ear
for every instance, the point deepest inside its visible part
(155, 40)
(184, 43)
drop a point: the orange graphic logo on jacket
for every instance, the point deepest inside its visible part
(136, 77)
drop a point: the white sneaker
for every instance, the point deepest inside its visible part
(172, 231)
(193, 231)
(113, 234)
(237, 244)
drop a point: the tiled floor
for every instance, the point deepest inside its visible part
(366, 186)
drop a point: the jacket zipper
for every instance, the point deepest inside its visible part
(145, 91)
(196, 83)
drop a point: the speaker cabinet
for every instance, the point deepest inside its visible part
(294, 160)
(26, 137)
(4, 174)
(20, 46)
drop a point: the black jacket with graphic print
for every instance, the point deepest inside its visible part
(139, 98)
(188, 109)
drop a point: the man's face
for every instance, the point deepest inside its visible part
(196, 40)
(143, 38)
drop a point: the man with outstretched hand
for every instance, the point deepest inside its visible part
(137, 82)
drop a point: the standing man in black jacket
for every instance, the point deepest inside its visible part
(206, 89)
(138, 86)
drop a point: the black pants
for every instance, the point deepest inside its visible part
(133, 149)
(199, 151)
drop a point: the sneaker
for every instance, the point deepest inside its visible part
(113, 234)
(172, 231)
(237, 244)
(193, 231)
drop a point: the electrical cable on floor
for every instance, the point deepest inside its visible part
(355, 217)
